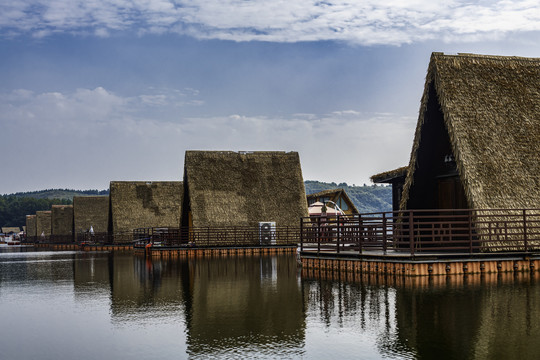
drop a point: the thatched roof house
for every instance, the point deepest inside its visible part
(141, 204)
(225, 188)
(43, 223)
(11, 230)
(396, 178)
(31, 222)
(337, 196)
(478, 135)
(91, 211)
(62, 220)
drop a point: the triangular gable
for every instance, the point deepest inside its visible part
(490, 108)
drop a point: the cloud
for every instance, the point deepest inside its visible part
(85, 138)
(365, 22)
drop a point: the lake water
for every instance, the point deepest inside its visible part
(76, 305)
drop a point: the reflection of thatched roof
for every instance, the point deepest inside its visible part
(62, 219)
(491, 109)
(138, 204)
(91, 211)
(10, 229)
(389, 176)
(31, 221)
(226, 188)
(333, 194)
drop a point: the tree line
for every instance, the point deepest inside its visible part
(13, 209)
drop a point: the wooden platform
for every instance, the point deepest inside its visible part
(425, 264)
(172, 252)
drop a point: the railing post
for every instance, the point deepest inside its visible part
(470, 232)
(338, 233)
(360, 234)
(301, 234)
(411, 232)
(525, 229)
(318, 235)
(384, 232)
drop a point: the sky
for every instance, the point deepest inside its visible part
(96, 91)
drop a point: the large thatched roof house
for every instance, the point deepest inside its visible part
(477, 140)
(62, 221)
(43, 223)
(31, 223)
(91, 211)
(225, 188)
(144, 204)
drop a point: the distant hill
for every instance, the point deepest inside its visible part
(15, 207)
(60, 194)
(366, 198)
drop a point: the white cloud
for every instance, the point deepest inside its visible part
(91, 136)
(363, 22)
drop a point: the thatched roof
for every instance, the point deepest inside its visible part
(389, 176)
(333, 194)
(91, 211)
(43, 223)
(491, 110)
(140, 204)
(11, 229)
(226, 188)
(31, 222)
(62, 220)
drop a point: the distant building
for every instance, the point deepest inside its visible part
(334, 196)
(62, 223)
(43, 224)
(225, 188)
(11, 230)
(143, 204)
(31, 231)
(91, 211)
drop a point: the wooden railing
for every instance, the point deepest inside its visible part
(228, 236)
(231, 236)
(455, 230)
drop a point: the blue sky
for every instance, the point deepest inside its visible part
(93, 91)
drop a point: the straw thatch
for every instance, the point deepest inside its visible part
(91, 211)
(225, 188)
(484, 113)
(334, 195)
(140, 204)
(11, 229)
(490, 106)
(395, 177)
(62, 220)
(43, 223)
(389, 176)
(31, 223)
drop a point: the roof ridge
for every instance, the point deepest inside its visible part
(485, 56)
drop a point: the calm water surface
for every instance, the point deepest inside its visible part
(75, 305)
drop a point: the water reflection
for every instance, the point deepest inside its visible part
(245, 305)
(230, 307)
(454, 317)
